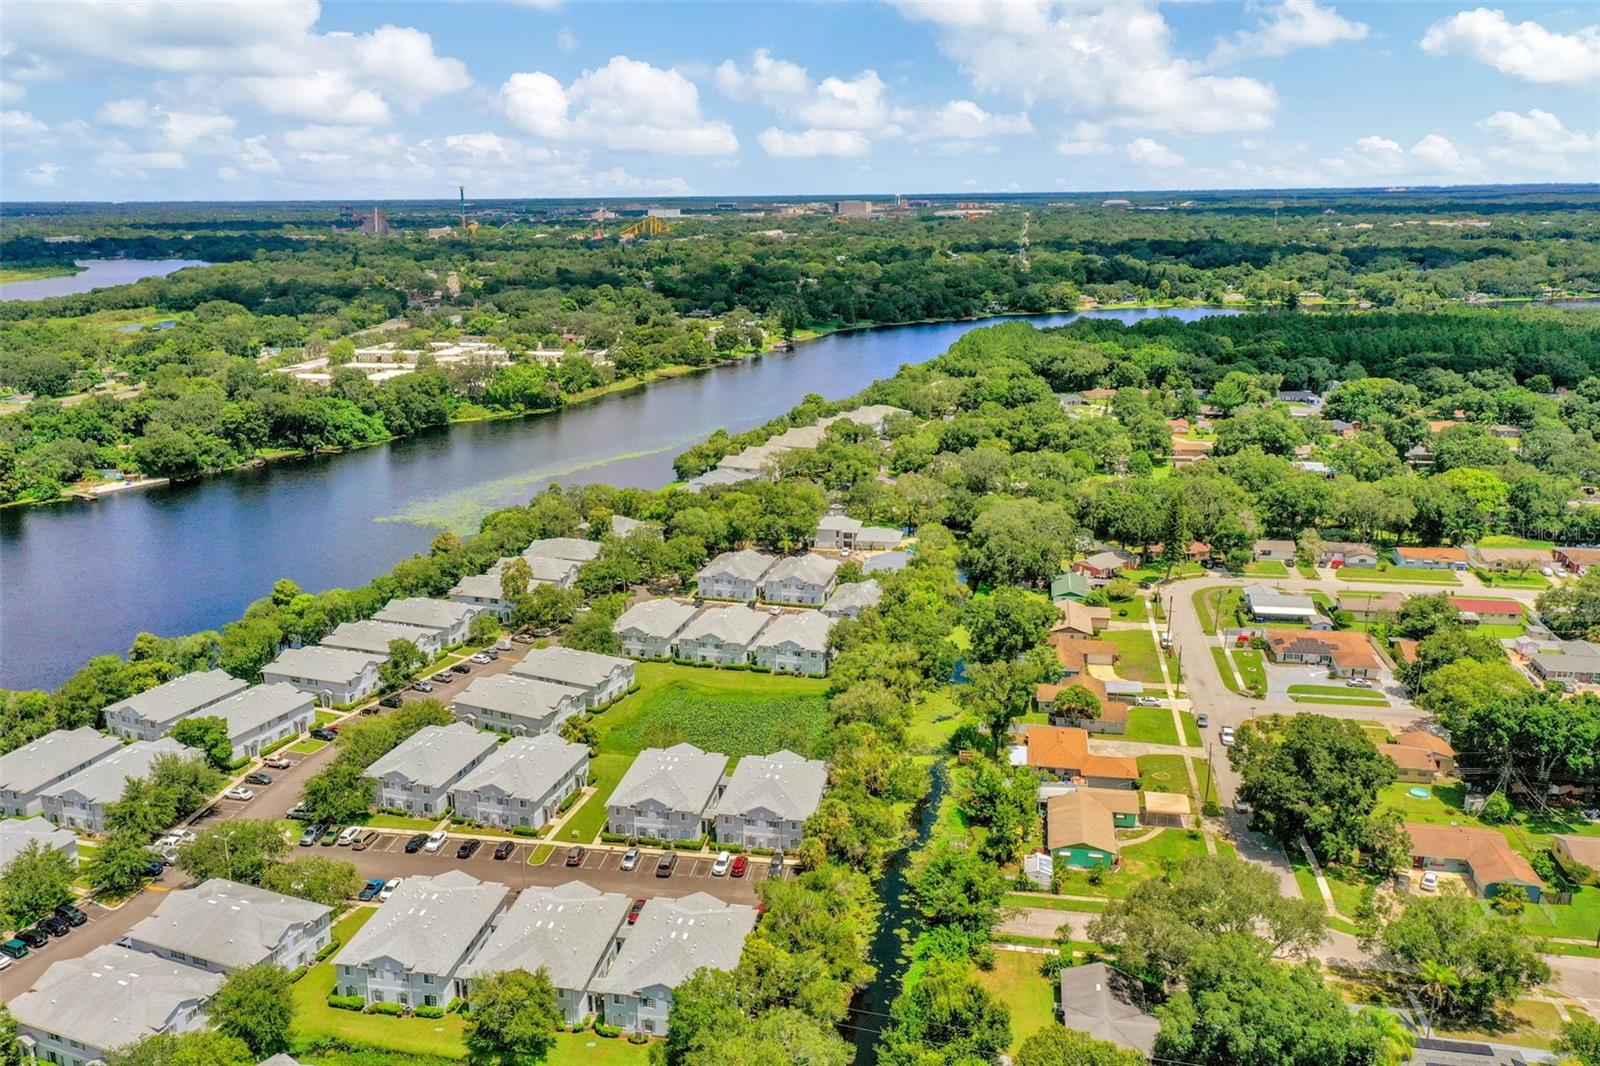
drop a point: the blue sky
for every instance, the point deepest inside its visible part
(267, 100)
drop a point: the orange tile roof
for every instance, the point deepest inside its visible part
(1485, 852)
(1442, 555)
(1347, 649)
(1063, 748)
(1421, 738)
(1409, 758)
(1406, 648)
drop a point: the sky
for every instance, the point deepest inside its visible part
(152, 100)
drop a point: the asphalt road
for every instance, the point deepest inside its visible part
(104, 927)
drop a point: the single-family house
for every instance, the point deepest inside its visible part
(1267, 604)
(1075, 654)
(1113, 713)
(671, 940)
(599, 679)
(1575, 854)
(445, 617)
(1411, 764)
(1443, 752)
(410, 952)
(734, 575)
(795, 642)
(849, 600)
(516, 706)
(1347, 553)
(1069, 586)
(1064, 753)
(372, 637)
(80, 801)
(571, 931)
(153, 712)
(522, 783)
(18, 834)
(1186, 452)
(768, 799)
(838, 531)
(1197, 551)
(1574, 662)
(1108, 1005)
(1477, 610)
(416, 777)
(82, 1009)
(224, 926)
(1101, 566)
(1273, 551)
(25, 774)
(667, 794)
(648, 630)
(1081, 826)
(572, 549)
(1481, 853)
(891, 562)
(332, 674)
(1577, 560)
(721, 635)
(262, 715)
(800, 580)
(1513, 560)
(1371, 606)
(1080, 621)
(1432, 558)
(1346, 653)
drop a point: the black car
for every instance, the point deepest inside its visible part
(461, 668)
(467, 849)
(504, 850)
(414, 845)
(323, 733)
(258, 778)
(34, 938)
(71, 915)
(55, 926)
(391, 701)
(667, 863)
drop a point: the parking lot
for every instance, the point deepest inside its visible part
(601, 867)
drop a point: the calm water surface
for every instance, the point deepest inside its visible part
(81, 579)
(96, 274)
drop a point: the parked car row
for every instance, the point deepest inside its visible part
(354, 837)
(58, 923)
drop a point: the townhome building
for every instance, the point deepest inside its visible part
(560, 573)
(571, 931)
(734, 575)
(25, 774)
(800, 580)
(671, 940)
(153, 712)
(768, 799)
(522, 783)
(445, 617)
(412, 950)
(649, 630)
(80, 802)
(82, 1009)
(483, 592)
(17, 835)
(849, 600)
(572, 549)
(262, 715)
(721, 635)
(667, 794)
(373, 637)
(515, 706)
(416, 777)
(795, 642)
(222, 925)
(598, 679)
(333, 675)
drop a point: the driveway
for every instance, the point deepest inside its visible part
(104, 927)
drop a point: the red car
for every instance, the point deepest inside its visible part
(633, 911)
(740, 865)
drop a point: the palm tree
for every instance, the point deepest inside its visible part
(1396, 1040)
(1438, 980)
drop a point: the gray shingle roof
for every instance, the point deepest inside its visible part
(807, 630)
(569, 666)
(428, 924)
(655, 618)
(334, 665)
(430, 614)
(784, 783)
(373, 636)
(719, 476)
(566, 929)
(571, 548)
(1098, 1000)
(675, 937)
(510, 694)
(17, 833)
(681, 778)
(35, 765)
(165, 704)
(810, 568)
(225, 922)
(886, 563)
(256, 706)
(854, 596)
(1266, 600)
(111, 996)
(746, 565)
(525, 767)
(479, 586)
(839, 522)
(732, 624)
(434, 754)
(104, 781)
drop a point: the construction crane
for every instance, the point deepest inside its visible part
(469, 228)
(649, 226)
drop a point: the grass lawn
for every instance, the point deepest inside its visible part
(1163, 773)
(1152, 725)
(1378, 734)
(1217, 607)
(1224, 671)
(1399, 575)
(1347, 886)
(1528, 832)
(1530, 1022)
(933, 720)
(1503, 632)
(1139, 863)
(1530, 580)
(1134, 610)
(1266, 568)
(1251, 668)
(1506, 540)
(308, 746)
(1307, 571)
(1051, 903)
(1336, 694)
(1340, 700)
(1579, 919)
(1017, 982)
(1191, 731)
(1138, 657)
(1304, 877)
(605, 770)
(324, 717)
(1208, 781)
(730, 711)
(399, 821)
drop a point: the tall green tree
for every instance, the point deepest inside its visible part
(339, 792)
(119, 866)
(33, 884)
(206, 733)
(1464, 960)
(239, 849)
(947, 1017)
(256, 1005)
(327, 881)
(200, 1048)
(404, 660)
(1009, 622)
(1056, 1045)
(514, 1017)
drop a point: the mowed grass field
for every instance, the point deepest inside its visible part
(732, 711)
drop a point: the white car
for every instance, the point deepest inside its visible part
(388, 889)
(240, 793)
(1147, 701)
(1429, 882)
(482, 659)
(350, 835)
(183, 836)
(1358, 682)
(1227, 736)
(436, 840)
(720, 867)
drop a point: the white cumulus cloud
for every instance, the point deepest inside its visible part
(1443, 153)
(800, 144)
(44, 174)
(626, 104)
(1149, 153)
(1540, 131)
(21, 124)
(1525, 50)
(1289, 27)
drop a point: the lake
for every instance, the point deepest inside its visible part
(82, 579)
(96, 274)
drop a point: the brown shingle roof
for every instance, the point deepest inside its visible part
(1421, 738)
(1585, 849)
(1407, 758)
(1062, 748)
(1078, 818)
(1347, 649)
(1485, 852)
